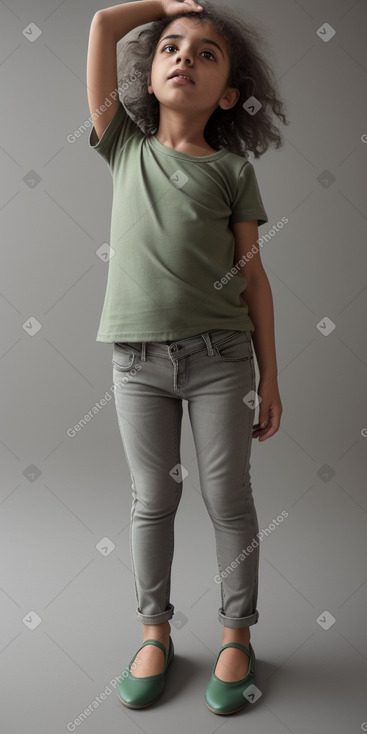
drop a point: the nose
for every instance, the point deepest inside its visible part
(182, 55)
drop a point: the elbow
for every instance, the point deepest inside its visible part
(256, 279)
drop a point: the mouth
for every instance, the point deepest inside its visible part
(182, 75)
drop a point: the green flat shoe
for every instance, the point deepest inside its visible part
(139, 692)
(226, 697)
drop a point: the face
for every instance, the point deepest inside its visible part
(208, 65)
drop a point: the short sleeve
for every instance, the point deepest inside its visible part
(247, 203)
(117, 132)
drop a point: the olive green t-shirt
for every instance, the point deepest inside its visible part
(171, 238)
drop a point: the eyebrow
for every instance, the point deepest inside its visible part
(204, 40)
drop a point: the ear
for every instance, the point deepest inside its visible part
(149, 83)
(229, 99)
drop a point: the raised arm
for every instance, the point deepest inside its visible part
(107, 28)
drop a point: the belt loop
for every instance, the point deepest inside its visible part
(208, 343)
(143, 352)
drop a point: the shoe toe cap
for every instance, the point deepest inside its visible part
(137, 691)
(226, 697)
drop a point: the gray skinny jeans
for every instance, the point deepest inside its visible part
(214, 372)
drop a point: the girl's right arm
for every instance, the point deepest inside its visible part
(108, 26)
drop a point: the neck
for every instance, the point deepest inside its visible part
(178, 130)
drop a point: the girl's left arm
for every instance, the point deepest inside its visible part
(258, 297)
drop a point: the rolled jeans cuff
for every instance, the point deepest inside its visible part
(235, 622)
(155, 618)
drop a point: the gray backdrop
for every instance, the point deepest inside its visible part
(68, 623)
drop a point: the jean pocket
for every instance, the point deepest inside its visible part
(123, 356)
(237, 348)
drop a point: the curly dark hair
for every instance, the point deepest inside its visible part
(235, 129)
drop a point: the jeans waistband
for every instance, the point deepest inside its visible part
(210, 338)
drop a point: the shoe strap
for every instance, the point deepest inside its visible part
(157, 643)
(238, 645)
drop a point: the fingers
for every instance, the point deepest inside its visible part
(194, 5)
(266, 430)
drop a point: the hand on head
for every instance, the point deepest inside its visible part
(171, 7)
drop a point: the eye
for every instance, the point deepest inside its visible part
(171, 45)
(209, 52)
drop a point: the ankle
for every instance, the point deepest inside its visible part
(156, 631)
(239, 634)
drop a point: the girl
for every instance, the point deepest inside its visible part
(184, 231)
